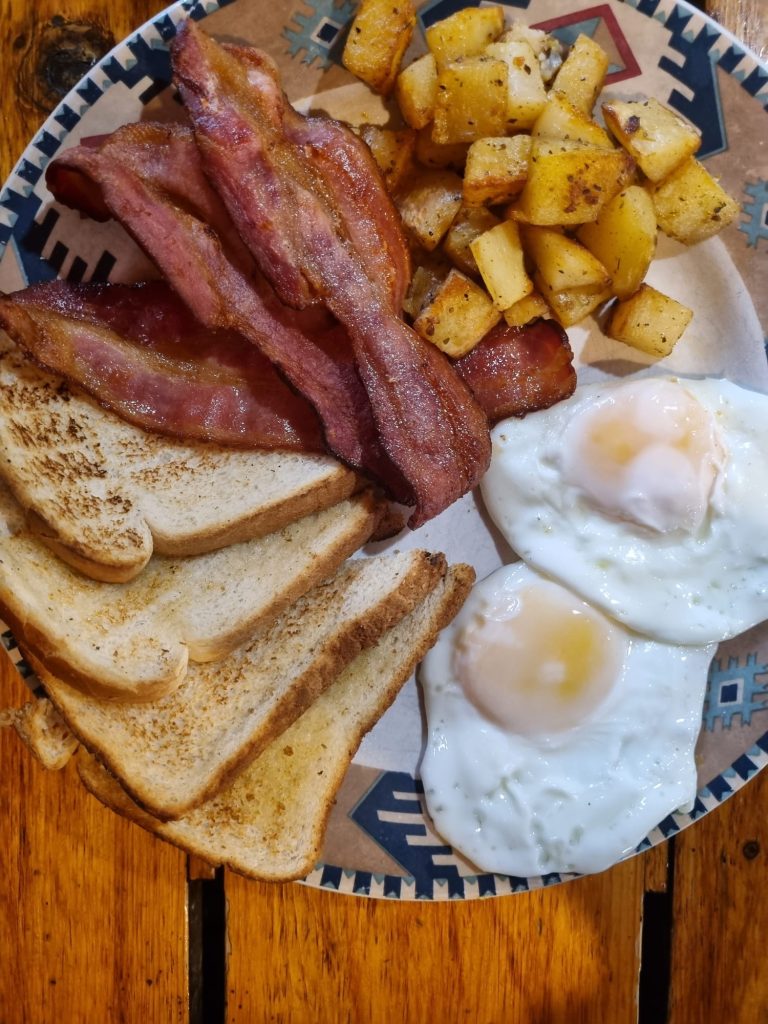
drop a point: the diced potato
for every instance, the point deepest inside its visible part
(377, 40)
(393, 152)
(416, 91)
(459, 315)
(563, 262)
(434, 154)
(691, 205)
(470, 222)
(526, 96)
(657, 137)
(465, 33)
(649, 321)
(471, 100)
(532, 307)
(500, 260)
(425, 282)
(428, 203)
(581, 77)
(496, 170)
(623, 238)
(570, 182)
(538, 40)
(573, 304)
(561, 120)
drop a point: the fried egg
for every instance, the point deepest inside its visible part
(557, 739)
(648, 498)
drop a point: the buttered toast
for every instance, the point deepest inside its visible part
(105, 495)
(134, 641)
(174, 753)
(269, 823)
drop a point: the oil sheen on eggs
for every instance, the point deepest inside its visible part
(557, 739)
(648, 498)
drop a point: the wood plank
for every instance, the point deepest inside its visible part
(747, 19)
(565, 955)
(92, 909)
(35, 39)
(720, 916)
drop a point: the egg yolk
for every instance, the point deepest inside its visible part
(539, 659)
(650, 454)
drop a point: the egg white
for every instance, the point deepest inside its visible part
(680, 587)
(570, 800)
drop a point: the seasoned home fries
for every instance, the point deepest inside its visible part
(523, 195)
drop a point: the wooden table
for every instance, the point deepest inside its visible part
(99, 922)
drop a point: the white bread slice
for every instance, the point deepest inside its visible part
(177, 752)
(105, 494)
(270, 822)
(133, 641)
(42, 730)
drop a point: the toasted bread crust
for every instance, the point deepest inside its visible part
(284, 838)
(104, 494)
(134, 641)
(147, 746)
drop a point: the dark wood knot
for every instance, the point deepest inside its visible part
(56, 56)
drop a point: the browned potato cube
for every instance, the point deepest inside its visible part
(393, 152)
(526, 96)
(562, 262)
(573, 304)
(649, 321)
(434, 154)
(690, 204)
(471, 100)
(623, 238)
(570, 182)
(425, 282)
(465, 33)
(581, 77)
(500, 260)
(377, 40)
(428, 203)
(657, 137)
(496, 170)
(470, 222)
(459, 315)
(416, 91)
(561, 120)
(532, 307)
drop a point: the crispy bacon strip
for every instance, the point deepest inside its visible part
(516, 370)
(291, 206)
(149, 177)
(140, 351)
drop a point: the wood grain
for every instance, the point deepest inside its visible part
(92, 909)
(566, 955)
(721, 868)
(747, 19)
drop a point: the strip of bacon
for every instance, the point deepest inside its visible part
(516, 370)
(141, 353)
(149, 177)
(278, 184)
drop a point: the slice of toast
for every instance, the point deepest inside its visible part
(104, 494)
(175, 753)
(133, 641)
(270, 822)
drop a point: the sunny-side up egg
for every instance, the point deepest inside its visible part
(648, 498)
(556, 739)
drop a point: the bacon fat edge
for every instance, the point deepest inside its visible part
(294, 214)
(141, 353)
(149, 178)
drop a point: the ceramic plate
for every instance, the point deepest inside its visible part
(380, 842)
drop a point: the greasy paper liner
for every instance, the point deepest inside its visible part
(380, 842)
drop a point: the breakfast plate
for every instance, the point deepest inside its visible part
(380, 841)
